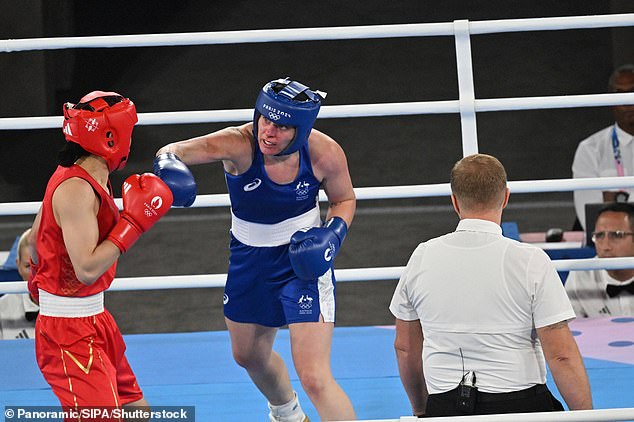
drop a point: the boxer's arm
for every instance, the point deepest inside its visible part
(331, 168)
(229, 144)
(31, 241)
(312, 252)
(75, 206)
(31, 246)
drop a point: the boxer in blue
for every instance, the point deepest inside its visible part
(280, 267)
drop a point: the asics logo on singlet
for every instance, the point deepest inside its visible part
(92, 125)
(225, 299)
(253, 185)
(329, 252)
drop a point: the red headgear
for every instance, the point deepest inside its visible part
(101, 123)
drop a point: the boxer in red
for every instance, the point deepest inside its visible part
(77, 237)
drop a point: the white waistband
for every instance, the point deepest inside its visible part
(262, 235)
(70, 307)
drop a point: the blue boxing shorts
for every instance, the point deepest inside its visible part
(262, 288)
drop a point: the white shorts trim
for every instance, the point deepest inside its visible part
(326, 296)
(70, 307)
(263, 235)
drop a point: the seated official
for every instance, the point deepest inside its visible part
(18, 311)
(607, 292)
(608, 152)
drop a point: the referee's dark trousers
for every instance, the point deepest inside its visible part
(535, 399)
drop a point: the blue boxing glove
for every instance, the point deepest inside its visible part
(177, 176)
(312, 251)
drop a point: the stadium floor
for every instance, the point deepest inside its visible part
(196, 369)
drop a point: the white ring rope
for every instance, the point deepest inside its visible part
(316, 34)
(391, 192)
(342, 275)
(351, 110)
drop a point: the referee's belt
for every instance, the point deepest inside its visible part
(482, 397)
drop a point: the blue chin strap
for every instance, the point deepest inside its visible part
(294, 105)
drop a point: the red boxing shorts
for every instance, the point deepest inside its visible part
(83, 360)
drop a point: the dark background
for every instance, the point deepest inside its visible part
(381, 151)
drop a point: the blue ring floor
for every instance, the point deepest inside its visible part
(196, 369)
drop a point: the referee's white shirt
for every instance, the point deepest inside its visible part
(477, 291)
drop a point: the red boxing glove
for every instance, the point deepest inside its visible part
(146, 199)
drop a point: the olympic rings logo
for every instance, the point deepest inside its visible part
(273, 116)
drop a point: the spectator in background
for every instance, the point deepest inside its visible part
(479, 315)
(607, 292)
(610, 151)
(19, 311)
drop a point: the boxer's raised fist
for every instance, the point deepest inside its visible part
(312, 251)
(145, 200)
(177, 176)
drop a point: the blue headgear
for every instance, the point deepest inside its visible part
(288, 103)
